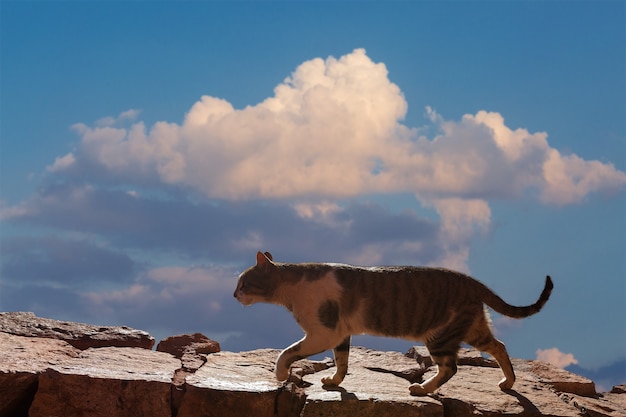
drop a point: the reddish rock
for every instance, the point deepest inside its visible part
(233, 384)
(107, 382)
(618, 389)
(191, 350)
(21, 360)
(559, 379)
(377, 384)
(46, 377)
(81, 336)
(471, 357)
(474, 391)
(196, 343)
(608, 405)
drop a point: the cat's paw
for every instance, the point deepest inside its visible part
(417, 390)
(332, 380)
(505, 384)
(282, 374)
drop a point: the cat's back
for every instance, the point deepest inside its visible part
(377, 286)
(404, 300)
(425, 279)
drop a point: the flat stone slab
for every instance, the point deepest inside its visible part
(237, 384)
(474, 391)
(81, 336)
(377, 384)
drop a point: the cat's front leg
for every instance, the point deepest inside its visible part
(286, 358)
(302, 349)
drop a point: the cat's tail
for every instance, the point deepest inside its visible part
(498, 304)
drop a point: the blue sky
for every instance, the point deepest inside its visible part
(149, 149)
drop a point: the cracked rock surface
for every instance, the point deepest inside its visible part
(41, 376)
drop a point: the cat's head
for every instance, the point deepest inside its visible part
(257, 283)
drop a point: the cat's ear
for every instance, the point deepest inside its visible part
(269, 256)
(263, 260)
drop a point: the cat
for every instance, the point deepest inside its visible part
(331, 302)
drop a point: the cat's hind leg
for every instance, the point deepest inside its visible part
(341, 352)
(446, 368)
(496, 348)
(481, 337)
(443, 347)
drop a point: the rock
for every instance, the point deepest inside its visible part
(471, 357)
(609, 405)
(559, 379)
(475, 357)
(46, 377)
(22, 359)
(81, 336)
(474, 391)
(233, 384)
(191, 350)
(110, 381)
(617, 399)
(196, 343)
(377, 384)
(420, 355)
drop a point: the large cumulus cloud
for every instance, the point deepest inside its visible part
(333, 129)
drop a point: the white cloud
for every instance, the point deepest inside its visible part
(461, 220)
(128, 115)
(502, 324)
(375, 253)
(325, 213)
(168, 285)
(569, 179)
(556, 357)
(62, 163)
(333, 129)
(251, 241)
(8, 212)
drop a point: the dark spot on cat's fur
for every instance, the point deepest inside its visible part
(329, 313)
(344, 346)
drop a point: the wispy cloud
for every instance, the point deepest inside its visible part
(62, 163)
(64, 261)
(207, 286)
(125, 116)
(225, 231)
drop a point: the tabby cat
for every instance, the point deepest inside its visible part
(440, 307)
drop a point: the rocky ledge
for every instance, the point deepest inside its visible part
(45, 371)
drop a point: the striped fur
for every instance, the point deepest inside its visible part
(331, 302)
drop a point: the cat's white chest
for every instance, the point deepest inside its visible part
(308, 295)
